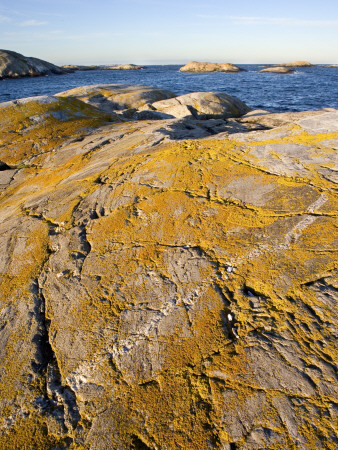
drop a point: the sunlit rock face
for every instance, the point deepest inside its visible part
(297, 64)
(277, 69)
(195, 66)
(15, 65)
(168, 283)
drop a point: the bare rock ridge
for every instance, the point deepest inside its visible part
(15, 65)
(169, 283)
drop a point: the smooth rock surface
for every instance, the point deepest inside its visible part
(161, 292)
(203, 105)
(117, 97)
(15, 65)
(195, 66)
(277, 69)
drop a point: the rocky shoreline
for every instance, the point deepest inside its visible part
(167, 272)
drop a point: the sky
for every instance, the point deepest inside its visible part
(171, 31)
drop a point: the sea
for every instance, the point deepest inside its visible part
(307, 88)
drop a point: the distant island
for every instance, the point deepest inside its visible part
(73, 67)
(15, 65)
(195, 66)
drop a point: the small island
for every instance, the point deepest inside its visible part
(195, 66)
(277, 69)
(297, 64)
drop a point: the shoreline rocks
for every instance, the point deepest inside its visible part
(15, 65)
(122, 98)
(200, 67)
(203, 106)
(145, 102)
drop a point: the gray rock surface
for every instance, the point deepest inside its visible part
(15, 65)
(203, 105)
(117, 97)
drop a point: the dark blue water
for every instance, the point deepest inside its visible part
(307, 88)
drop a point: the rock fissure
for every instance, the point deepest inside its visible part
(57, 398)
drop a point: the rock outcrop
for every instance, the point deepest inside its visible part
(195, 66)
(277, 69)
(163, 292)
(123, 67)
(74, 67)
(117, 97)
(297, 64)
(15, 65)
(202, 105)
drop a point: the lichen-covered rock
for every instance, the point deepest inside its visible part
(171, 294)
(40, 124)
(195, 66)
(15, 65)
(116, 97)
(277, 69)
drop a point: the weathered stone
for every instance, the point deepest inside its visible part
(195, 66)
(203, 105)
(15, 65)
(129, 263)
(277, 69)
(114, 97)
(42, 123)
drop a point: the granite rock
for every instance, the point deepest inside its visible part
(117, 97)
(15, 65)
(203, 105)
(277, 69)
(297, 64)
(195, 66)
(159, 291)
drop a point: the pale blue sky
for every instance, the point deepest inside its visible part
(175, 31)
